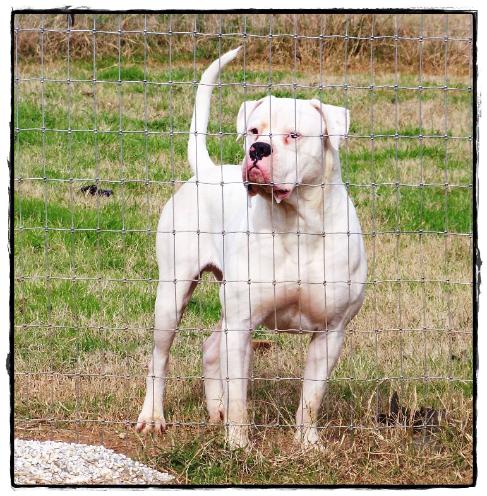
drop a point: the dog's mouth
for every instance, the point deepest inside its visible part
(257, 181)
(279, 194)
(251, 189)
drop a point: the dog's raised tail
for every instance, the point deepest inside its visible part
(198, 156)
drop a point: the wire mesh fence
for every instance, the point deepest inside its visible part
(102, 112)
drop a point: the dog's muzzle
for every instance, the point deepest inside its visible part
(257, 174)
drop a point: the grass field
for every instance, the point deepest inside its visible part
(86, 273)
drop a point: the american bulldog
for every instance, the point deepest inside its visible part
(281, 235)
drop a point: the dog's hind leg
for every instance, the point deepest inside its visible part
(234, 346)
(172, 298)
(212, 374)
(212, 377)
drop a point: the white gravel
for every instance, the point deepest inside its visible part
(49, 462)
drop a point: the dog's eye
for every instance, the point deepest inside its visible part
(254, 130)
(294, 135)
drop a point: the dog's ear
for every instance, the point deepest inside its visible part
(337, 121)
(244, 114)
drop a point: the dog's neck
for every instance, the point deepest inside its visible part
(310, 206)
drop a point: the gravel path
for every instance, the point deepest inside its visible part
(48, 462)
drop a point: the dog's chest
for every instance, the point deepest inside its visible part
(296, 316)
(303, 281)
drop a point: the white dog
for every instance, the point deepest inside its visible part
(282, 236)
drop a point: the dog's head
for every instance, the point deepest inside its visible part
(285, 142)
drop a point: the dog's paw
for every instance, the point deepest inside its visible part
(151, 423)
(308, 439)
(238, 437)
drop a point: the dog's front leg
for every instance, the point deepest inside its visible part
(323, 352)
(234, 367)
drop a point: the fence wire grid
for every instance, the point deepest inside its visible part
(102, 112)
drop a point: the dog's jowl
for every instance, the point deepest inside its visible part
(292, 255)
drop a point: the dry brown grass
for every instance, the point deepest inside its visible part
(285, 49)
(363, 457)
